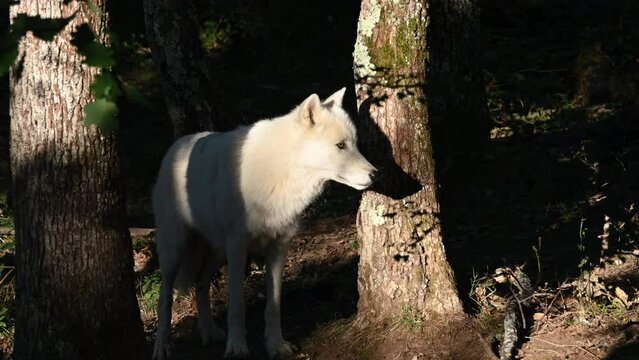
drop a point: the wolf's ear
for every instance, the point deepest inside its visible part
(336, 99)
(310, 110)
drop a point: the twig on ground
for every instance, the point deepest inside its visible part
(566, 345)
(11, 268)
(559, 290)
(552, 351)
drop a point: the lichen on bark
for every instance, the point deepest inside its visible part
(368, 19)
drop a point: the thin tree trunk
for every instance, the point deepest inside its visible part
(403, 265)
(75, 289)
(172, 32)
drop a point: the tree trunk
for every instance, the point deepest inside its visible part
(456, 99)
(75, 293)
(403, 266)
(172, 32)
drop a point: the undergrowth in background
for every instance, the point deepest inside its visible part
(149, 293)
(215, 34)
(6, 215)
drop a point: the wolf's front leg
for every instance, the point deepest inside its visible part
(275, 260)
(236, 346)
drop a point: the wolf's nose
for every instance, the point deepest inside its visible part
(373, 175)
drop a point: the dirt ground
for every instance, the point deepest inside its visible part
(320, 302)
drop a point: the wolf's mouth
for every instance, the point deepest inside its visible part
(360, 186)
(363, 186)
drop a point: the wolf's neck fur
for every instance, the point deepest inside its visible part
(271, 182)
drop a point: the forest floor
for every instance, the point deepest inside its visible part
(557, 191)
(319, 304)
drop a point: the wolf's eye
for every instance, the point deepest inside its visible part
(341, 145)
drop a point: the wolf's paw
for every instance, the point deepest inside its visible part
(236, 349)
(279, 348)
(211, 334)
(161, 350)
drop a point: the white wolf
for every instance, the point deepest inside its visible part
(245, 190)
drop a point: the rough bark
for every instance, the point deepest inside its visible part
(75, 294)
(172, 32)
(403, 264)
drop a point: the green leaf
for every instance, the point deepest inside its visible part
(101, 113)
(97, 55)
(7, 58)
(105, 86)
(135, 96)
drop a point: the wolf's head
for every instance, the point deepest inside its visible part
(329, 145)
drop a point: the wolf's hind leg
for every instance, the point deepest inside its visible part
(209, 331)
(170, 260)
(236, 247)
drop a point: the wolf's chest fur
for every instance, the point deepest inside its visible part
(277, 214)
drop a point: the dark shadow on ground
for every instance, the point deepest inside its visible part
(320, 293)
(628, 346)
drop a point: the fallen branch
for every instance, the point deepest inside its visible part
(516, 302)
